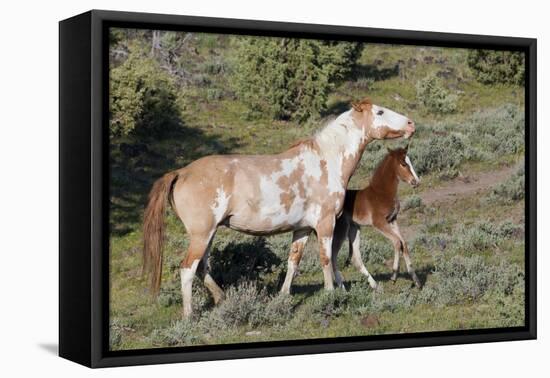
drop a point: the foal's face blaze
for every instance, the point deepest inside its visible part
(406, 172)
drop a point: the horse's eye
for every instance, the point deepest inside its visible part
(380, 112)
(404, 164)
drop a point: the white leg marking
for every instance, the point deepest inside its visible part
(356, 259)
(298, 243)
(187, 275)
(290, 273)
(326, 245)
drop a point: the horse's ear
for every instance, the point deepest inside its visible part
(356, 106)
(407, 147)
(389, 149)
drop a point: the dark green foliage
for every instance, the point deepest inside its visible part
(432, 94)
(492, 67)
(142, 97)
(289, 78)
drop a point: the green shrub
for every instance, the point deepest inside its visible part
(498, 131)
(245, 304)
(181, 332)
(483, 235)
(360, 297)
(365, 83)
(492, 66)
(329, 304)
(460, 279)
(376, 251)
(213, 94)
(478, 237)
(412, 202)
(509, 309)
(512, 189)
(289, 78)
(115, 334)
(276, 310)
(142, 97)
(241, 304)
(434, 97)
(391, 303)
(214, 67)
(441, 153)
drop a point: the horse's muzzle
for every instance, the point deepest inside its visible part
(409, 129)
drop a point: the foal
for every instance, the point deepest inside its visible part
(376, 205)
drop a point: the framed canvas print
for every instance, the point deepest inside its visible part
(233, 188)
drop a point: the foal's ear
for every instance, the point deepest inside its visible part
(389, 150)
(407, 147)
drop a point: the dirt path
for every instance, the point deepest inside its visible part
(465, 186)
(458, 188)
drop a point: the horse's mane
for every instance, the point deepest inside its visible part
(308, 142)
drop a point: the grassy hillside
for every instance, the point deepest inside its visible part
(464, 224)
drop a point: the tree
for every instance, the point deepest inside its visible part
(431, 92)
(492, 66)
(142, 96)
(290, 78)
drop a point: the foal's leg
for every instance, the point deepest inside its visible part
(196, 251)
(357, 261)
(204, 273)
(388, 231)
(299, 240)
(406, 255)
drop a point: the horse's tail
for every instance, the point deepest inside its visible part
(153, 228)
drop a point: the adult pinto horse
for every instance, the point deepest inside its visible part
(300, 190)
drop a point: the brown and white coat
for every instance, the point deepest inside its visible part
(300, 190)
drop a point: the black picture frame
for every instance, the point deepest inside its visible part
(84, 188)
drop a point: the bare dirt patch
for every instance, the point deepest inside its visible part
(464, 186)
(460, 187)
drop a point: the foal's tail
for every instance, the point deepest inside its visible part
(153, 228)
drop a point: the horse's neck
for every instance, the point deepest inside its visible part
(384, 180)
(343, 143)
